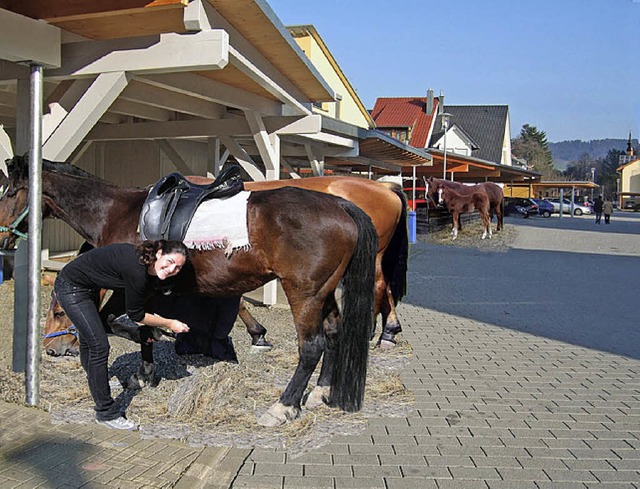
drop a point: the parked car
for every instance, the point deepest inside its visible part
(545, 208)
(518, 206)
(578, 209)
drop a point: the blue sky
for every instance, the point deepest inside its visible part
(569, 67)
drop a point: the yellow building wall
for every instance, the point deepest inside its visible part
(347, 109)
(517, 191)
(630, 177)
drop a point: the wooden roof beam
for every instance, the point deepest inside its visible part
(24, 40)
(245, 65)
(164, 53)
(190, 129)
(82, 9)
(207, 89)
(153, 96)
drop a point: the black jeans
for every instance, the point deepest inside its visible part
(81, 306)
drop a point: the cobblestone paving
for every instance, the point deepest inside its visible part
(526, 371)
(526, 374)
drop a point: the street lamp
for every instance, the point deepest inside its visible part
(445, 117)
(593, 179)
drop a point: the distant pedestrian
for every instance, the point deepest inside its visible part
(597, 208)
(607, 209)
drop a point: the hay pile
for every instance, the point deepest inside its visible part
(470, 237)
(206, 402)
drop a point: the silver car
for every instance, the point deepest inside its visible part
(578, 209)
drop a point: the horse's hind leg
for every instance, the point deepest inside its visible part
(391, 325)
(311, 345)
(487, 225)
(321, 393)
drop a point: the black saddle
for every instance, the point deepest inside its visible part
(172, 202)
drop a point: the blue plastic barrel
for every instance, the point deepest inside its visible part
(412, 227)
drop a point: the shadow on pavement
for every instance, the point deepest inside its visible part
(56, 463)
(621, 223)
(583, 299)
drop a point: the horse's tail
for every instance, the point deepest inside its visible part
(396, 257)
(352, 345)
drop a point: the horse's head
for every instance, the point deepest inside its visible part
(433, 190)
(60, 336)
(14, 202)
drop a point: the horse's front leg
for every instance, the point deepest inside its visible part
(146, 376)
(456, 223)
(256, 330)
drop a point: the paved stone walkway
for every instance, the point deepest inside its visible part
(526, 374)
(526, 371)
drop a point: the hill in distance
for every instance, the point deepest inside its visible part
(565, 152)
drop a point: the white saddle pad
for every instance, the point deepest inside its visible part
(220, 223)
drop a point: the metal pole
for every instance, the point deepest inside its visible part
(444, 171)
(413, 196)
(32, 379)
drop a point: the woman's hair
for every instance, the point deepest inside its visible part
(147, 250)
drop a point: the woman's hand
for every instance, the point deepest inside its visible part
(178, 326)
(166, 324)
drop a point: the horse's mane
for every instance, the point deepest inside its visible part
(18, 168)
(67, 169)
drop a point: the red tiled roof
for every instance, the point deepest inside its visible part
(407, 112)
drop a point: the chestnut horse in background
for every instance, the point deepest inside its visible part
(460, 199)
(311, 241)
(494, 193)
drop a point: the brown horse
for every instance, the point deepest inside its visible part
(386, 206)
(310, 241)
(460, 199)
(494, 192)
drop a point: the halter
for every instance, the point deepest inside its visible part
(70, 330)
(13, 227)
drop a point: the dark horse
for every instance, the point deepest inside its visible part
(460, 200)
(310, 241)
(386, 206)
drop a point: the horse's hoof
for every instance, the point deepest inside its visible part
(261, 344)
(277, 415)
(134, 383)
(317, 397)
(386, 344)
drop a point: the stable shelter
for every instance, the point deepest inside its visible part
(141, 88)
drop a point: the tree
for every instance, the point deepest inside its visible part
(532, 145)
(605, 171)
